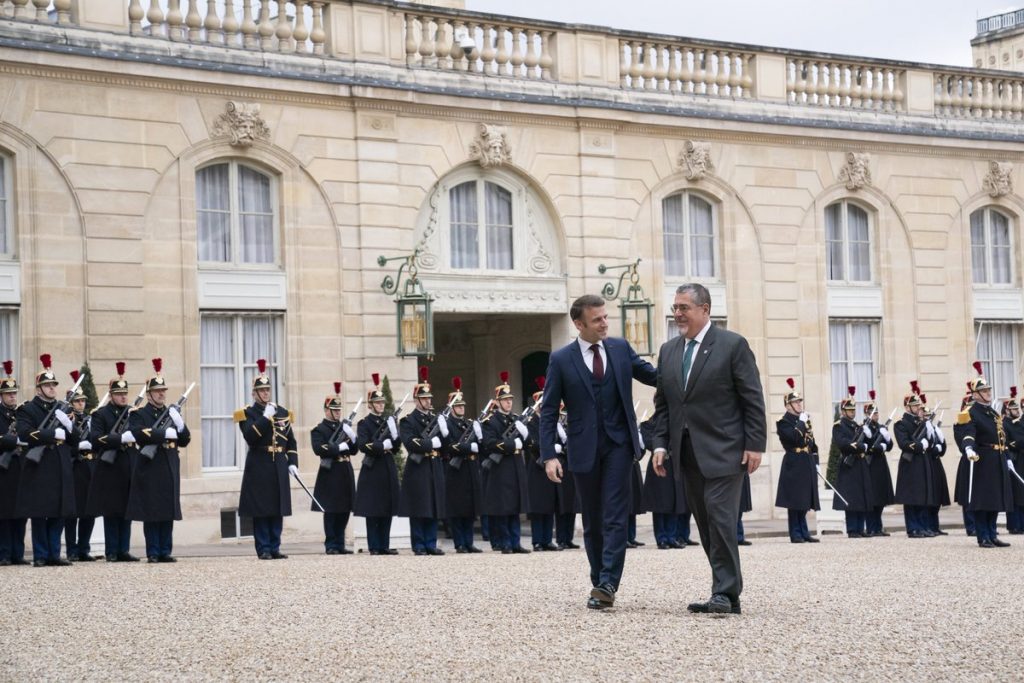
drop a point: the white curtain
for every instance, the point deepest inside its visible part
(859, 244)
(218, 390)
(1000, 232)
(498, 206)
(8, 334)
(997, 351)
(462, 207)
(834, 241)
(213, 213)
(259, 338)
(256, 216)
(4, 241)
(979, 269)
(674, 236)
(852, 359)
(702, 238)
(863, 357)
(838, 360)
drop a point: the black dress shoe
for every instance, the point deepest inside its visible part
(798, 540)
(537, 547)
(594, 603)
(59, 562)
(811, 539)
(882, 533)
(111, 558)
(126, 557)
(743, 542)
(605, 593)
(632, 544)
(854, 534)
(940, 532)
(152, 559)
(461, 551)
(718, 604)
(435, 551)
(419, 553)
(676, 544)
(473, 549)
(506, 551)
(86, 558)
(375, 552)
(166, 559)
(572, 546)
(19, 562)
(550, 547)
(928, 533)
(664, 546)
(265, 556)
(636, 542)
(38, 563)
(689, 542)
(981, 544)
(278, 556)
(520, 550)
(389, 551)
(5, 562)
(1000, 544)
(72, 558)
(331, 551)
(344, 551)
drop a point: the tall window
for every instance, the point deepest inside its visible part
(998, 353)
(690, 240)
(852, 358)
(8, 334)
(235, 208)
(229, 345)
(848, 240)
(473, 244)
(5, 205)
(990, 248)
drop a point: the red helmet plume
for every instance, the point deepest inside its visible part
(337, 387)
(8, 367)
(75, 374)
(1013, 391)
(924, 399)
(261, 365)
(119, 365)
(914, 388)
(871, 394)
(851, 391)
(158, 365)
(504, 376)
(977, 367)
(46, 361)
(791, 383)
(457, 383)
(424, 373)
(375, 377)
(540, 382)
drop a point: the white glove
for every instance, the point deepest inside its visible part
(939, 435)
(478, 430)
(269, 411)
(924, 444)
(171, 434)
(558, 448)
(641, 438)
(84, 446)
(179, 424)
(474, 448)
(521, 428)
(127, 437)
(866, 430)
(392, 427)
(342, 447)
(442, 425)
(387, 444)
(59, 434)
(561, 432)
(435, 443)
(63, 418)
(349, 432)
(293, 470)
(804, 417)
(971, 455)
(885, 433)
(930, 428)
(519, 444)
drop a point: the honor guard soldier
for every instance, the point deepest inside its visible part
(798, 484)
(1014, 427)
(78, 529)
(46, 492)
(462, 485)
(963, 466)
(272, 456)
(111, 480)
(12, 527)
(542, 493)
(853, 480)
(568, 506)
(879, 443)
(155, 495)
(334, 442)
(636, 497)
(663, 496)
(422, 499)
(377, 491)
(984, 440)
(914, 489)
(939, 482)
(505, 492)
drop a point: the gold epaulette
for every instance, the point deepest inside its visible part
(836, 422)
(964, 417)
(240, 415)
(291, 417)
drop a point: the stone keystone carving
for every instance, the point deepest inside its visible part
(695, 160)
(491, 146)
(856, 173)
(998, 181)
(242, 123)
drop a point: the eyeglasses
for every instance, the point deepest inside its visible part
(683, 308)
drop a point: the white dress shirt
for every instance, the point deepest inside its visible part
(588, 355)
(696, 349)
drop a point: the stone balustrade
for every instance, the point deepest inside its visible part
(413, 40)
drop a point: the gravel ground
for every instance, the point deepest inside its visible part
(874, 609)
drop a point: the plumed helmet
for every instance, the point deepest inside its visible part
(422, 389)
(8, 385)
(157, 380)
(262, 379)
(376, 393)
(455, 397)
(503, 390)
(119, 385)
(979, 383)
(335, 402)
(850, 402)
(46, 376)
(792, 394)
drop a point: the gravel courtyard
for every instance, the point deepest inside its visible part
(874, 609)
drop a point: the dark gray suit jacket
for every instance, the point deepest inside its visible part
(722, 405)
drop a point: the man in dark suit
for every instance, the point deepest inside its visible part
(594, 376)
(711, 421)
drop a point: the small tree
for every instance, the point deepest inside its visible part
(88, 388)
(832, 471)
(389, 408)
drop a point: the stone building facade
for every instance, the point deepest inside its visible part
(214, 182)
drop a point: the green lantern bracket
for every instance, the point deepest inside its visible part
(413, 307)
(635, 308)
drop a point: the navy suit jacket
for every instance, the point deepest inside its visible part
(569, 380)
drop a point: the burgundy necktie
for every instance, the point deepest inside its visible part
(598, 363)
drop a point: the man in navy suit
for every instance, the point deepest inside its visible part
(594, 377)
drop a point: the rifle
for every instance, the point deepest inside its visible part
(110, 455)
(35, 454)
(468, 436)
(164, 419)
(920, 432)
(876, 442)
(493, 459)
(430, 431)
(325, 463)
(7, 456)
(370, 460)
(87, 422)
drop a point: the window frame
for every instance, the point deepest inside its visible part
(243, 392)
(687, 236)
(1014, 328)
(518, 245)
(874, 325)
(846, 243)
(15, 340)
(7, 197)
(989, 247)
(234, 215)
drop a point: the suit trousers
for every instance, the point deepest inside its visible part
(604, 494)
(715, 504)
(77, 533)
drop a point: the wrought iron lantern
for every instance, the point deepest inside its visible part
(635, 309)
(413, 308)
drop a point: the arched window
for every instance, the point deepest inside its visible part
(848, 242)
(991, 253)
(689, 223)
(481, 218)
(5, 205)
(236, 209)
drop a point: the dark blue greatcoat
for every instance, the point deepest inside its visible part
(378, 491)
(854, 478)
(505, 489)
(983, 430)
(878, 468)
(83, 467)
(1015, 436)
(155, 494)
(266, 489)
(798, 480)
(111, 482)
(915, 477)
(46, 489)
(463, 486)
(10, 477)
(542, 493)
(335, 486)
(423, 482)
(662, 495)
